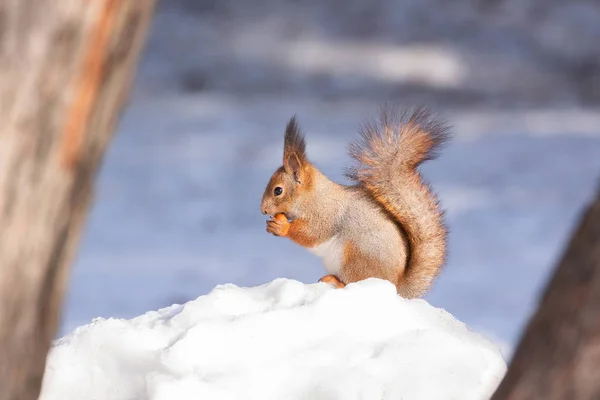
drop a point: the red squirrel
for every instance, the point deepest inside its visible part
(387, 225)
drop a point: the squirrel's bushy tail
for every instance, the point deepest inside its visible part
(388, 154)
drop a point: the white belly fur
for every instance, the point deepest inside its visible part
(331, 253)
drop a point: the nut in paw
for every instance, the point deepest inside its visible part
(279, 225)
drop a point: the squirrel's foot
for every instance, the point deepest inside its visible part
(333, 281)
(279, 225)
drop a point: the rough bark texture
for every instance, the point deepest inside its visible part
(559, 354)
(66, 69)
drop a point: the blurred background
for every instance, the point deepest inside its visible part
(177, 202)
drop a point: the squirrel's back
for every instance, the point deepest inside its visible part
(388, 156)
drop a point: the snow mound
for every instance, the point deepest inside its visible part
(281, 340)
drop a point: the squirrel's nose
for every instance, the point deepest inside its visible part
(264, 212)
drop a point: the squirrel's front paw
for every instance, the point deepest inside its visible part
(279, 225)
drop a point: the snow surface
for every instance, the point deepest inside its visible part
(281, 340)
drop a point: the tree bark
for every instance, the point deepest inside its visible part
(558, 356)
(66, 68)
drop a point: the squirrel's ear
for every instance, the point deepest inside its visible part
(293, 165)
(294, 150)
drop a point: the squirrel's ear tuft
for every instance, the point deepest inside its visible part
(294, 139)
(294, 149)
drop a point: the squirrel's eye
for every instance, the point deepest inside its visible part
(278, 190)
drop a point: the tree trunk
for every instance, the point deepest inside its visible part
(65, 71)
(559, 354)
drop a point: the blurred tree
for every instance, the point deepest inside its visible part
(558, 356)
(67, 67)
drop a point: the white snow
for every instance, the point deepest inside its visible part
(280, 340)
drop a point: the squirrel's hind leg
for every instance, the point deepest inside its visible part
(359, 265)
(333, 281)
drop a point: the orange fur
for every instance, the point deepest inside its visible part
(301, 233)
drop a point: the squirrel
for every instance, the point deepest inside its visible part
(387, 225)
